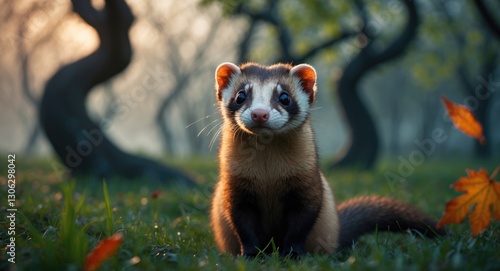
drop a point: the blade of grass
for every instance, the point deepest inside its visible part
(37, 239)
(80, 202)
(72, 239)
(109, 211)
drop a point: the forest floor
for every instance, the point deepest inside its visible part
(167, 227)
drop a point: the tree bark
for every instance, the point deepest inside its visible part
(488, 17)
(76, 139)
(363, 146)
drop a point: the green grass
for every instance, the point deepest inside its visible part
(60, 221)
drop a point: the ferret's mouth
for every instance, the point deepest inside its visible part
(260, 130)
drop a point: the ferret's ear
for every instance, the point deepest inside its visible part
(307, 77)
(223, 76)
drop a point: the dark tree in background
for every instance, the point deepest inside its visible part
(363, 147)
(480, 95)
(77, 140)
(488, 15)
(487, 69)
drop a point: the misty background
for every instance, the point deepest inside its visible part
(163, 104)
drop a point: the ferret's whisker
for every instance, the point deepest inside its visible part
(206, 126)
(214, 138)
(213, 128)
(196, 121)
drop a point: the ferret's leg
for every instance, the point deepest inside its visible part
(301, 215)
(245, 220)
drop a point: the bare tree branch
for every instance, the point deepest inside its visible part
(270, 14)
(88, 13)
(182, 80)
(345, 34)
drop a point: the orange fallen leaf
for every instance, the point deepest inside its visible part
(103, 251)
(482, 194)
(464, 120)
(156, 194)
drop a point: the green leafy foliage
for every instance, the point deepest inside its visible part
(449, 37)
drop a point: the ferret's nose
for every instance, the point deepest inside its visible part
(260, 115)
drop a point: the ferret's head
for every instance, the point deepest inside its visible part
(260, 99)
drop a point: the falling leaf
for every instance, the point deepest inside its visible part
(482, 194)
(103, 251)
(464, 120)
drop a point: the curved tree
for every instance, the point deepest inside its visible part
(76, 139)
(363, 147)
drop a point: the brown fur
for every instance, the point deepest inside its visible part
(271, 183)
(363, 215)
(267, 168)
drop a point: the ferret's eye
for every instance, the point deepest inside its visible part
(240, 97)
(284, 99)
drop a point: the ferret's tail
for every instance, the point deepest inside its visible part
(363, 215)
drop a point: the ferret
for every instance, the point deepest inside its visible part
(271, 193)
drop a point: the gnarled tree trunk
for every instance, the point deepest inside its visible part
(363, 146)
(77, 140)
